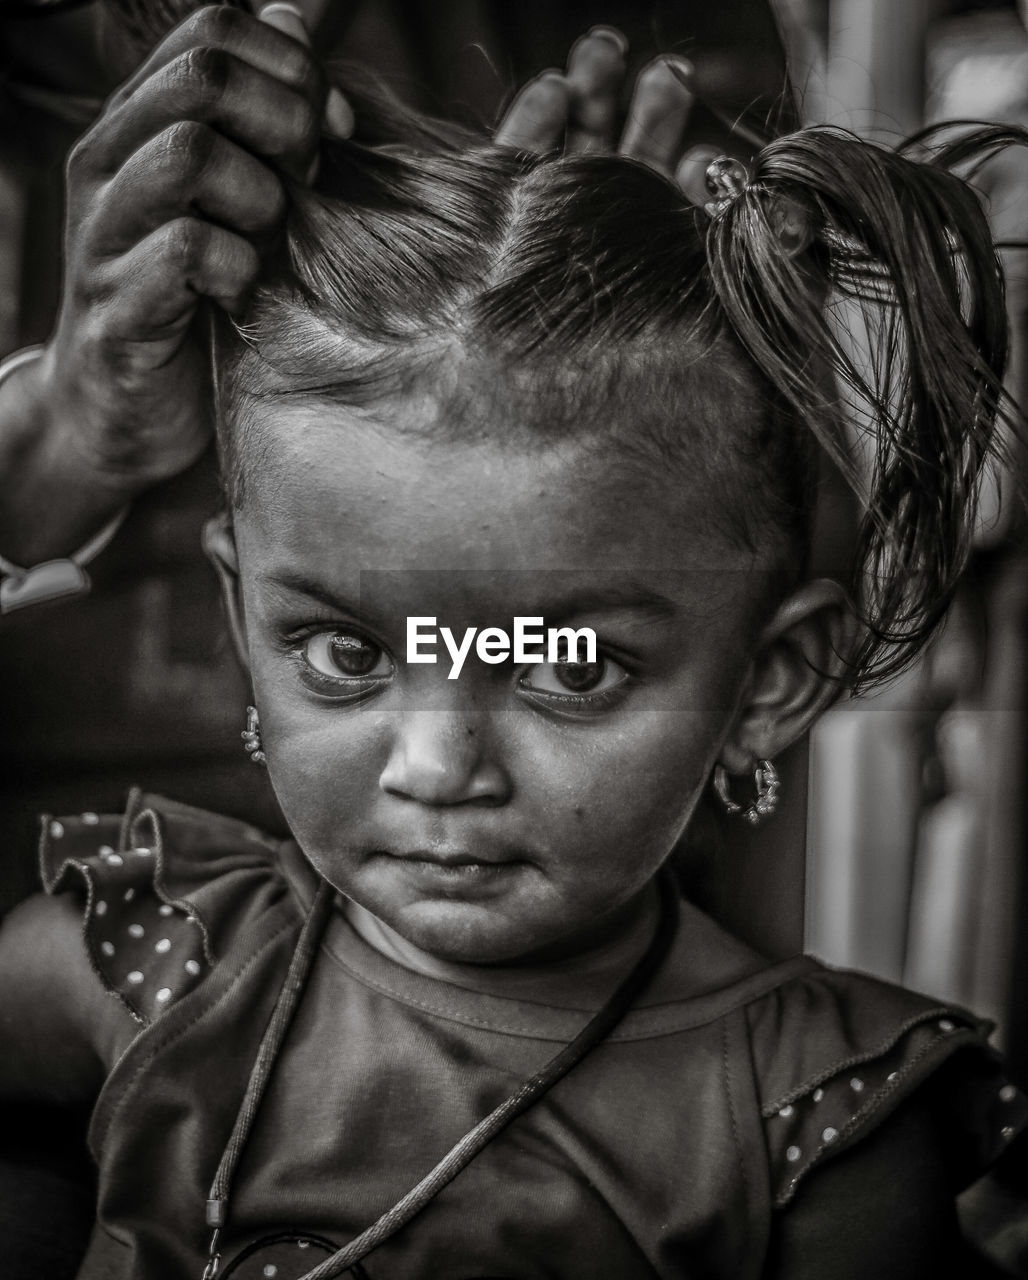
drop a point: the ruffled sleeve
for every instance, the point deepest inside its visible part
(165, 889)
(836, 1053)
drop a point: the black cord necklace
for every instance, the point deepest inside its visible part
(464, 1151)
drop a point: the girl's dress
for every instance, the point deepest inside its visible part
(667, 1152)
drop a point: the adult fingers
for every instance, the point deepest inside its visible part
(214, 87)
(595, 76)
(156, 284)
(265, 45)
(538, 116)
(658, 113)
(188, 168)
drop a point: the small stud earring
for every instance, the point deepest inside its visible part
(765, 780)
(251, 736)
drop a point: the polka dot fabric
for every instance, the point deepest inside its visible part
(154, 898)
(830, 1111)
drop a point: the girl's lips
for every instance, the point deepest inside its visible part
(445, 859)
(445, 868)
(456, 857)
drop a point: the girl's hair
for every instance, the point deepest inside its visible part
(712, 346)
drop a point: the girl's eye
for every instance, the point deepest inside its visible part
(575, 679)
(344, 656)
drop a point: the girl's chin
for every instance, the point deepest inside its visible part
(427, 932)
(462, 912)
(458, 931)
(503, 913)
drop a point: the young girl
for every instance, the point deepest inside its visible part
(463, 1024)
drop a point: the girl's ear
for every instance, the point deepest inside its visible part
(219, 546)
(797, 673)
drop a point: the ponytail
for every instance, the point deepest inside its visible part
(902, 251)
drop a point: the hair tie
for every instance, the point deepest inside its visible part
(726, 179)
(790, 218)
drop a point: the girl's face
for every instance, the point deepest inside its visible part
(516, 810)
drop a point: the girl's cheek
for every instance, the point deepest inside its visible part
(643, 791)
(324, 759)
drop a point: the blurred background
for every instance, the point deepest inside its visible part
(901, 844)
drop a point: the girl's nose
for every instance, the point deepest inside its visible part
(444, 758)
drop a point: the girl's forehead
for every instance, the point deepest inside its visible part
(394, 492)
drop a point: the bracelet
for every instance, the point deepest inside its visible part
(53, 579)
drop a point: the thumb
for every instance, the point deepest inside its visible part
(286, 17)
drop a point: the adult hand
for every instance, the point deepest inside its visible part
(579, 108)
(170, 197)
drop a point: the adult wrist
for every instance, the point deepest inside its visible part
(56, 513)
(75, 438)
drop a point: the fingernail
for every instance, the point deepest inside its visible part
(614, 35)
(287, 18)
(338, 114)
(681, 68)
(556, 86)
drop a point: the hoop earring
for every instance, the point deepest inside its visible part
(765, 779)
(251, 736)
